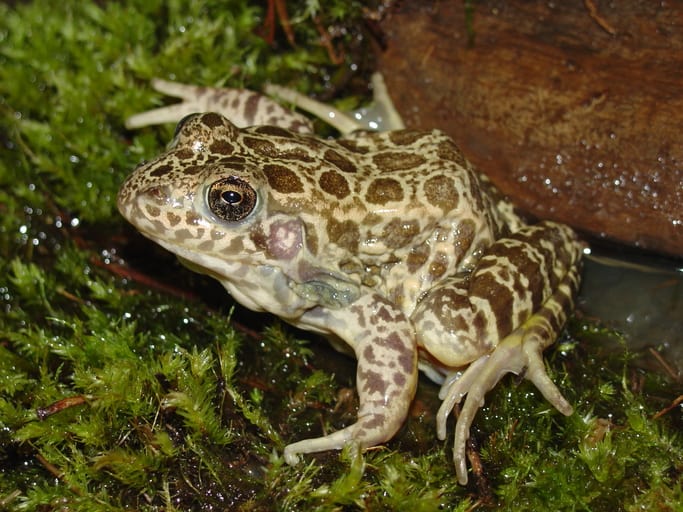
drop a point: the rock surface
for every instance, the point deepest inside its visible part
(574, 109)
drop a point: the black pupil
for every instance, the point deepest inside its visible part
(231, 197)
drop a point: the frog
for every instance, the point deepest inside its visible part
(389, 243)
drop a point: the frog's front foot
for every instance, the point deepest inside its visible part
(386, 377)
(370, 430)
(334, 441)
(520, 353)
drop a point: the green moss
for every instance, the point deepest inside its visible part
(119, 393)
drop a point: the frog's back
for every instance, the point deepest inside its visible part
(398, 210)
(372, 180)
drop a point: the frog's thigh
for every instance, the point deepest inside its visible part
(466, 317)
(384, 343)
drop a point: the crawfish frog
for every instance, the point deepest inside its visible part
(387, 242)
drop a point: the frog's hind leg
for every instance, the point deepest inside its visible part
(499, 320)
(384, 111)
(520, 353)
(241, 106)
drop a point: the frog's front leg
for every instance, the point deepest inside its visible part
(384, 343)
(499, 320)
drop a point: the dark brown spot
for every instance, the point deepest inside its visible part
(274, 131)
(352, 266)
(299, 154)
(299, 126)
(192, 219)
(235, 247)
(403, 354)
(530, 259)
(222, 147)
(183, 234)
(212, 120)
(441, 192)
(311, 238)
(152, 211)
(206, 246)
(438, 266)
(448, 150)
(299, 149)
(282, 179)
(251, 106)
(417, 257)
(408, 361)
(464, 236)
(449, 301)
(343, 163)
(334, 184)
(397, 160)
(360, 314)
(384, 190)
(373, 422)
(372, 382)
(352, 145)
(258, 237)
(184, 154)
(261, 146)
(345, 234)
(369, 356)
(405, 137)
(161, 170)
(499, 296)
(482, 332)
(384, 313)
(191, 170)
(399, 233)
(371, 219)
(173, 219)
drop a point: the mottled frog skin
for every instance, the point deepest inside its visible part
(388, 243)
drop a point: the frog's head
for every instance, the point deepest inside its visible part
(198, 197)
(227, 203)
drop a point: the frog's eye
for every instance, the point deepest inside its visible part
(231, 199)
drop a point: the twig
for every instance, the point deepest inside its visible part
(670, 407)
(593, 12)
(667, 368)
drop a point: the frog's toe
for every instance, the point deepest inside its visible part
(519, 353)
(536, 373)
(291, 456)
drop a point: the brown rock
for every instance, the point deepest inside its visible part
(574, 109)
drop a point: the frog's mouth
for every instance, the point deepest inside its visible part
(257, 287)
